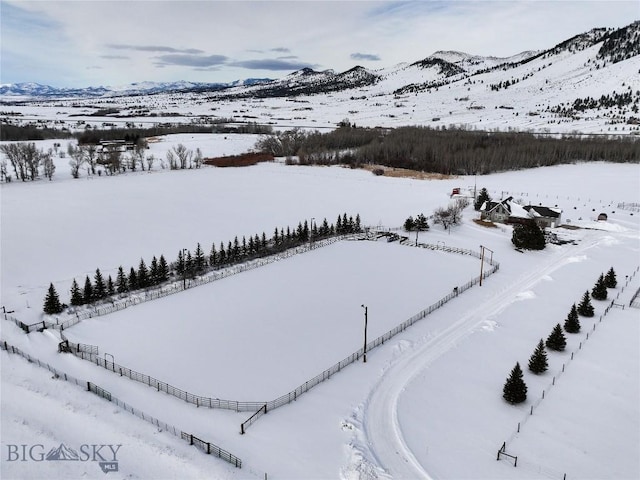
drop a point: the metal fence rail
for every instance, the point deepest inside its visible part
(38, 326)
(202, 445)
(211, 449)
(325, 375)
(90, 352)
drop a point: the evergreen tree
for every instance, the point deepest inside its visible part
(483, 196)
(305, 231)
(572, 323)
(409, 224)
(324, 229)
(538, 361)
(180, 265)
(189, 265)
(276, 237)
(199, 262)
(213, 256)
(111, 289)
(143, 275)
(122, 284)
(133, 279)
(357, 226)
(236, 248)
(610, 279)
(87, 293)
(99, 289)
(244, 250)
(515, 390)
(345, 223)
(230, 257)
(263, 242)
(154, 274)
(52, 302)
(528, 236)
(251, 246)
(599, 291)
(339, 225)
(76, 294)
(421, 223)
(584, 307)
(163, 269)
(222, 255)
(556, 339)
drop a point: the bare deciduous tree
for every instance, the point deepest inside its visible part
(77, 159)
(179, 157)
(47, 164)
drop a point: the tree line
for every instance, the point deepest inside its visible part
(188, 265)
(445, 151)
(32, 131)
(515, 389)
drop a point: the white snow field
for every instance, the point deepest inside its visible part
(427, 404)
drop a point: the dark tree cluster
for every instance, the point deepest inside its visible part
(621, 44)
(528, 236)
(599, 291)
(607, 101)
(515, 389)
(483, 196)
(445, 151)
(189, 265)
(418, 224)
(22, 133)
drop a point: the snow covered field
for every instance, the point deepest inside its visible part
(427, 404)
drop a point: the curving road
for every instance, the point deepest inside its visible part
(381, 427)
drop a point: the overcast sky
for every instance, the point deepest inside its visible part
(111, 43)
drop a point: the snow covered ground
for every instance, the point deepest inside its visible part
(427, 404)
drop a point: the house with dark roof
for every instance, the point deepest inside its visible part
(545, 217)
(496, 211)
(508, 211)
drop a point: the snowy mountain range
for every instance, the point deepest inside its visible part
(440, 68)
(36, 90)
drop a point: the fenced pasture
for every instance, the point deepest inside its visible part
(188, 339)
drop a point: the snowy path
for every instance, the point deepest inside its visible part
(382, 430)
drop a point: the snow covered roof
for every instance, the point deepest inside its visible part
(540, 211)
(519, 211)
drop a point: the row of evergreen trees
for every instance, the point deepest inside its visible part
(515, 389)
(190, 265)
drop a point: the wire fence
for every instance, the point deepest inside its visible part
(90, 352)
(634, 207)
(202, 445)
(177, 286)
(38, 326)
(325, 375)
(557, 375)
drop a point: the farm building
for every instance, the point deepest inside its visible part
(545, 216)
(508, 211)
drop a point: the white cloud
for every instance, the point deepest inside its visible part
(54, 41)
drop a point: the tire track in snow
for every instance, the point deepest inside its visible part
(381, 427)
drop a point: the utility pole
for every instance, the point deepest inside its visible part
(482, 260)
(481, 263)
(365, 334)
